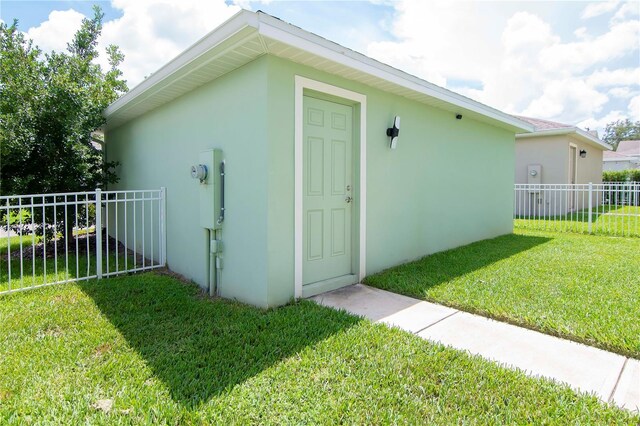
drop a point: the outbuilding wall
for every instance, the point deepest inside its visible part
(449, 182)
(158, 148)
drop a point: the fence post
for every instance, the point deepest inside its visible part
(163, 225)
(590, 205)
(99, 233)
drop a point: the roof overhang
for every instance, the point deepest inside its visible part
(634, 160)
(574, 132)
(249, 35)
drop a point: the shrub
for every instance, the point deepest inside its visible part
(621, 176)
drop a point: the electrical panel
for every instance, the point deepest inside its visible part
(208, 172)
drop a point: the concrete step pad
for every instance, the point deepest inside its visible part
(382, 306)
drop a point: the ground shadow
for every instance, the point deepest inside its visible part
(201, 347)
(444, 266)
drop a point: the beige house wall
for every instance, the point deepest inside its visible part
(590, 167)
(551, 152)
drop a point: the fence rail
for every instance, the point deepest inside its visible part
(611, 208)
(48, 239)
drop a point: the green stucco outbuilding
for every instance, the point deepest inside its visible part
(314, 196)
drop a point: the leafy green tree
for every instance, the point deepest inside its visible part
(50, 105)
(621, 130)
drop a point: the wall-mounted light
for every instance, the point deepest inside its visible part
(393, 132)
(583, 153)
(458, 116)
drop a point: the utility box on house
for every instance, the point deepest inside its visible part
(534, 174)
(210, 189)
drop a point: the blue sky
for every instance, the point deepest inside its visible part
(575, 62)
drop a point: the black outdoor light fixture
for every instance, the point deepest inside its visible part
(393, 132)
(583, 153)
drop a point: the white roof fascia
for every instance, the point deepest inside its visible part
(579, 134)
(286, 33)
(226, 30)
(271, 27)
(621, 159)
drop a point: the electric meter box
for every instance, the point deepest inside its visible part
(534, 174)
(211, 189)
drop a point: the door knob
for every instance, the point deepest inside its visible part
(348, 199)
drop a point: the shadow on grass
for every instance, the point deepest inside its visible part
(415, 277)
(200, 347)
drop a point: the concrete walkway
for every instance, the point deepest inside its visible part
(612, 377)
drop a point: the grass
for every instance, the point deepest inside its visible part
(605, 220)
(38, 270)
(161, 353)
(580, 287)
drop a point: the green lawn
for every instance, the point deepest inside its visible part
(580, 287)
(34, 271)
(161, 353)
(605, 220)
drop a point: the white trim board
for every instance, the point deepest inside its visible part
(302, 83)
(249, 35)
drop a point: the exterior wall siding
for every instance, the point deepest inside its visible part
(158, 148)
(449, 182)
(552, 152)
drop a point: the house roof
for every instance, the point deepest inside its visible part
(627, 151)
(629, 148)
(249, 35)
(552, 128)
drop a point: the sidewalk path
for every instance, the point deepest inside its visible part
(612, 377)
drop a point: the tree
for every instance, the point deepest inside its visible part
(621, 130)
(49, 107)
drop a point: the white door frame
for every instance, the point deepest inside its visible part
(302, 83)
(573, 160)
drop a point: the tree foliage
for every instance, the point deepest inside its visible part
(50, 104)
(621, 130)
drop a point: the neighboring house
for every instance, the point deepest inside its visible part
(565, 153)
(556, 153)
(315, 197)
(626, 157)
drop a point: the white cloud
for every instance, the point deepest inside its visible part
(430, 48)
(621, 92)
(600, 123)
(582, 33)
(57, 30)
(152, 32)
(570, 98)
(634, 108)
(599, 8)
(618, 77)
(520, 61)
(525, 30)
(149, 32)
(628, 10)
(621, 39)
